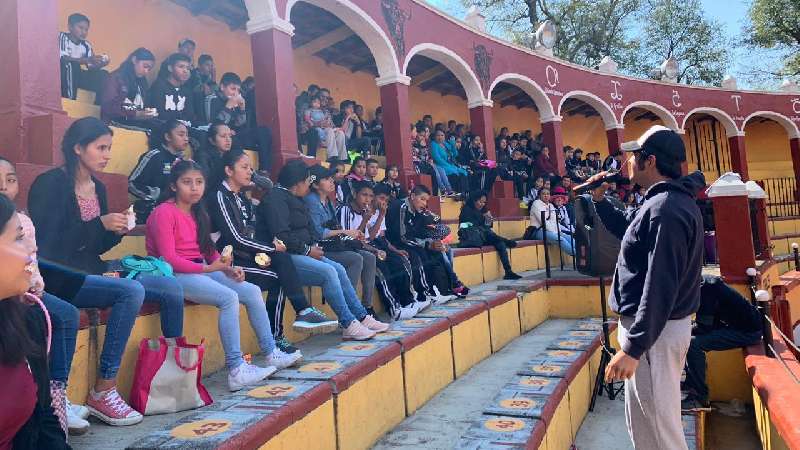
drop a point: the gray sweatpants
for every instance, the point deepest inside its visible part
(360, 266)
(653, 394)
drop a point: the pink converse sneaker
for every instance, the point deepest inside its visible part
(357, 332)
(374, 325)
(109, 407)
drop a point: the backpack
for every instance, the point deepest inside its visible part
(145, 265)
(596, 248)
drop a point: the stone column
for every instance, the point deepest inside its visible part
(615, 138)
(552, 138)
(32, 120)
(738, 155)
(273, 69)
(733, 230)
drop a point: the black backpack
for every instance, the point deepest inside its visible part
(596, 248)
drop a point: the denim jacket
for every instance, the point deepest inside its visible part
(321, 215)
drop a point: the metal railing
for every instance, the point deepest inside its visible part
(781, 196)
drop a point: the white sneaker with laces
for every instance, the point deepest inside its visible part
(422, 305)
(438, 298)
(78, 410)
(282, 360)
(75, 423)
(408, 312)
(248, 375)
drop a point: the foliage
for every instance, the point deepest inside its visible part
(775, 25)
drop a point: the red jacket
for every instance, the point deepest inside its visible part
(544, 165)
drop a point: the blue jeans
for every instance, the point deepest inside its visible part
(552, 236)
(441, 179)
(715, 340)
(125, 297)
(218, 289)
(336, 286)
(65, 319)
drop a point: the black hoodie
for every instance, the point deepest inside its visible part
(172, 102)
(658, 271)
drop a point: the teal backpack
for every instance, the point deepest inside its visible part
(145, 265)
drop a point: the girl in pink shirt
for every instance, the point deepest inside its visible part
(179, 230)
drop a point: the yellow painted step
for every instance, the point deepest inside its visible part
(76, 109)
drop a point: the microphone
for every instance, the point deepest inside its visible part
(612, 176)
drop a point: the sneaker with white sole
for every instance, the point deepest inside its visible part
(422, 305)
(374, 325)
(357, 332)
(313, 321)
(407, 312)
(282, 360)
(109, 407)
(78, 410)
(438, 298)
(248, 375)
(76, 424)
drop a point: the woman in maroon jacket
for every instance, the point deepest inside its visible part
(544, 165)
(124, 91)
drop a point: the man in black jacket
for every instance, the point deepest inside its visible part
(170, 94)
(656, 286)
(725, 320)
(228, 106)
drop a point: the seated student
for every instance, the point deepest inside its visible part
(69, 207)
(537, 230)
(179, 230)
(725, 320)
(613, 162)
(520, 171)
(150, 178)
(170, 94)
(392, 181)
(443, 155)
(533, 192)
(319, 121)
(125, 91)
(28, 420)
(375, 131)
(63, 316)
(233, 214)
(544, 165)
(77, 52)
(228, 106)
(404, 224)
(560, 200)
(350, 252)
(283, 214)
(482, 174)
(219, 141)
(371, 176)
(352, 127)
(203, 82)
(394, 273)
(357, 173)
(186, 47)
(423, 164)
(475, 216)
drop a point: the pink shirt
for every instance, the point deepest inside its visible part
(172, 234)
(37, 283)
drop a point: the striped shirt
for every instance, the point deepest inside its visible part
(68, 48)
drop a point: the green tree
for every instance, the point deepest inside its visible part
(678, 29)
(775, 25)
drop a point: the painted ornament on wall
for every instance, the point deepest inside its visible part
(483, 64)
(395, 18)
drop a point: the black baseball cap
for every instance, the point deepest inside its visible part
(319, 172)
(659, 141)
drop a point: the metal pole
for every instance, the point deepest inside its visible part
(796, 253)
(762, 300)
(546, 250)
(558, 233)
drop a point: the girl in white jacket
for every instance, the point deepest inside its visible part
(542, 204)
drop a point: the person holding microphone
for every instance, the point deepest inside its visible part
(656, 285)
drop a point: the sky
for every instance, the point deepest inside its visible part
(732, 14)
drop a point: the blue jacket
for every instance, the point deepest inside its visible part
(441, 157)
(321, 215)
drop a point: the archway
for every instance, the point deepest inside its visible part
(585, 122)
(639, 116)
(769, 160)
(706, 136)
(453, 63)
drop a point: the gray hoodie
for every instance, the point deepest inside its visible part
(658, 272)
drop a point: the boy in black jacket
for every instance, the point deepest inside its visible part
(227, 105)
(170, 94)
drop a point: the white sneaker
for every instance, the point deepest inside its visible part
(438, 298)
(408, 312)
(422, 305)
(78, 410)
(76, 424)
(282, 360)
(247, 375)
